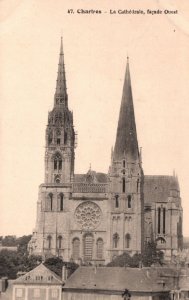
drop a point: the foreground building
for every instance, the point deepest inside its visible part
(105, 283)
(99, 283)
(95, 217)
(40, 283)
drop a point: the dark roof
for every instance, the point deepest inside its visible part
(157, 188)
(99, 177)
(113, 279)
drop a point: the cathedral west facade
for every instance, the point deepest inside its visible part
(95, 217)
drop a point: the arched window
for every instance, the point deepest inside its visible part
(160, 240)
(115, 240)
(61, 201)
(58, 162)
(164, 212)
(116, 201)
(76, 248)
(57, 178)
(65, 137)
(123, 185)
(58, 136)
(50, 202)
(138, 181)
(159, 219)
(59, 242)
(127, 240)
(129, 201)
(50, 137)
(88, 247)
(49, 241)
(123, 163)
(99, 249)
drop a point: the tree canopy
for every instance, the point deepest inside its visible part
(11, 262)
(55, 264)
(151, 255)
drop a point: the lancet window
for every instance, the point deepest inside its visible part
(61, 201)
(116, 201)
(161, 220)
(49, 241)
(57, 162)
(88, 247)
(123, 185)
(59, 242)
(50, 202)
(127, 240)
(99, 249)
(129, 201)
(76, 248)
(115, 240)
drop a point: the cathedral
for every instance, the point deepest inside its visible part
(95, 217)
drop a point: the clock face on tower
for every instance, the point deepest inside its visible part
(88, 215)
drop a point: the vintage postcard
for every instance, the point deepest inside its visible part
(95, 127)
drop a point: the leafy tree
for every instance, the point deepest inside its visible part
(23, 244)
(30, 262)
(13, 261)
(9, 263)
(151, 254)
(125, 260)
(9, 240)
(55, 264)
(136, 260)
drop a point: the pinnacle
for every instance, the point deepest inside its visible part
(126, 145)
(61, 90)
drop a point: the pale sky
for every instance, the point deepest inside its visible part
(95, 49)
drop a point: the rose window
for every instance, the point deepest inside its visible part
(88, 215)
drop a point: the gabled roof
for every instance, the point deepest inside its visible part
(113, 279)
(39, 275)
(157, 188)
(100, 177)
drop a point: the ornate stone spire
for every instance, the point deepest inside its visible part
(61, 90)
(126, 146)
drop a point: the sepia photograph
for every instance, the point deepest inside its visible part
(94, 131)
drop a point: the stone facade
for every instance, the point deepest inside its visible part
(94, 217)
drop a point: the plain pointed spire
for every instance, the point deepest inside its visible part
(61, 90)
(126, 145)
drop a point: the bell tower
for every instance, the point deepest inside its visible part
(60, 136)
(50, 236)
(126, 180)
